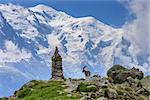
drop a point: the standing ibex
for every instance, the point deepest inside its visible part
(86, 71)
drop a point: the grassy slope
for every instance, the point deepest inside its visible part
(40, 90)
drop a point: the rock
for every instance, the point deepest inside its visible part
(105, 82)
(100, 93)
(126, 96)
(125, 84)
(112, 94)
(135, 73)
(110, 80)
(143, 92)
(119, 74)
(69, 95)
(130, 80)
(145, 82)
(104, 86)
(96, 78)
(102, 98)
(60, 92)
(93, 95)
(135, 84)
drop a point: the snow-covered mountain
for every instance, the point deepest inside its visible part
(28, 37)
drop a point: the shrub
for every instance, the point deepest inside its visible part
(120, 92)
(128, 88)
(23, 93)
(87, 87)
(105, 92)
(104, 86)
(140, 98)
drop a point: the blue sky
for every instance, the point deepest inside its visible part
(110, 12)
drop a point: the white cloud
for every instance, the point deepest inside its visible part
(12, 54)
(138, 30)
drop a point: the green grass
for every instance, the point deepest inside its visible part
(83, 87)
(40, 90)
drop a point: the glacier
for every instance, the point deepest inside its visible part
(28, 36)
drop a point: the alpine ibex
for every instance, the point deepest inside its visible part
(86, 71)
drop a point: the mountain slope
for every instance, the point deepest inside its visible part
(28, 37)
(53, 90)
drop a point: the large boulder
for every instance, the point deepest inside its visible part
(119, 74)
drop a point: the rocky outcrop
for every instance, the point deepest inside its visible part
(110, 91)
(119, 74)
